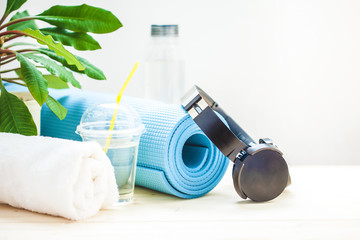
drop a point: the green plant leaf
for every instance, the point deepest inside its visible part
(57, 47)
(15, 117)
(22, 25)
(52, 80)
(55, 82)
(56, 108)
(18, 72)
(79, 40)
(13, 5)
(90, 70)
(34, 80)
(55, 69)
(82, 18)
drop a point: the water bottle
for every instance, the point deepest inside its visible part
(164, 66)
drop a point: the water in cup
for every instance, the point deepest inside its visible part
(124, 158)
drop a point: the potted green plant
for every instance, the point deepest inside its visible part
(71, 26)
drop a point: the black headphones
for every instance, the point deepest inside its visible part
(260, 171)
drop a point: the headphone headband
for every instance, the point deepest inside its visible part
(230, 140)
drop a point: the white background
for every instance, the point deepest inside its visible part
(288, 70)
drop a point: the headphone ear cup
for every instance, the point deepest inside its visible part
(237, 168)
(262, 176)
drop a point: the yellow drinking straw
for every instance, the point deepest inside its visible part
(112, 122)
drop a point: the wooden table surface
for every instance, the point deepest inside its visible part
(322, 203)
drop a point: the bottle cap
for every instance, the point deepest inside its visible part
(164, 30)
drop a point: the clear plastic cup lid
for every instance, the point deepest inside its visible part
(96, 121)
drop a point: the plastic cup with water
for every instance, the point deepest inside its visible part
(124, 139)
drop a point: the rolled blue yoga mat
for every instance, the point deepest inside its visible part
(175, 156)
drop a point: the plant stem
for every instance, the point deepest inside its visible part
(10, 70)
(16, 32)
(26, 50)
(11, 38)
(11, 79)
(7, 57)
(14, 69)
(13, 54)
(22, 84)
(16, 21)
(3, 63)
(9, 52)
(3, 18)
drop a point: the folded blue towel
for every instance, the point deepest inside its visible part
(175, 156)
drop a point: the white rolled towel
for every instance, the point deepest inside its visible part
(55, 176)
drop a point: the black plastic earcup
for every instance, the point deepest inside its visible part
(262, 176)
